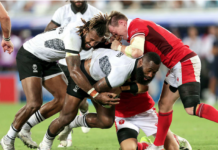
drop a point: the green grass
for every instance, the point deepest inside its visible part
(202, 134)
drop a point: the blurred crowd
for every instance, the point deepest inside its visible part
(49, 6)
(202, 40)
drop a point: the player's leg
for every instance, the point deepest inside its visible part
(190, 96)
(57, 87)
(29, 69)
(127, 135)
(190, 91)
(168, 96)
(104, 118)
(68, 113)
(84, 109)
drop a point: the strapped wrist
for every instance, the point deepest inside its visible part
(7, 39)
(93, 93)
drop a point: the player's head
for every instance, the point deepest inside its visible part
(78, 4)
(148, 66)
(93, 31)
(117, 24)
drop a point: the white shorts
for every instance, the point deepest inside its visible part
(147, 121)
(184, 72)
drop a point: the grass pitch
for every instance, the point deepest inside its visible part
(202, 134)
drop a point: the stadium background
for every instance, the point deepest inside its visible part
(193, 21)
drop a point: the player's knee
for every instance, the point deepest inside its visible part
(33, 106)
(164, 105)
(59, 99)
(107, 122)
(128, 148)
(66, 119)
(84, 105)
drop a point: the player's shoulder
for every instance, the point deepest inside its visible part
(93, 9)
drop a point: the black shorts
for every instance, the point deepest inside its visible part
(72, 88)
(29, 65)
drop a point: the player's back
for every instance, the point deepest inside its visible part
(113, 64)
(159, 40)
(50, 46)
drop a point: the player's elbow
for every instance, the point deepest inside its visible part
(136, 53)
(4, 17)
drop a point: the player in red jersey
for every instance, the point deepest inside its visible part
(183, 78)
(135, 112)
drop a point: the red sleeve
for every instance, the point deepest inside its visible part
(136, 27)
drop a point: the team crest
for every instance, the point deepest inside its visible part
(35, 68)
(121, 122)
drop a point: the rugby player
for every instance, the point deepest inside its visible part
(70, 13)
(134, 111)
(36, 61)
(6, 30)
(183, 78)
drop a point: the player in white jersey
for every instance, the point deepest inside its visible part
(36, 62)
(72, 13)
(112, 69)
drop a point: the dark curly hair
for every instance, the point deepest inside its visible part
(98, 23)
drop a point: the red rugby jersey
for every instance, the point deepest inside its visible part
(159, 40)
(131, 105)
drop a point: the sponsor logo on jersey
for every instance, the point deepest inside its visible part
(121, 121)
(35, 68)
(76, 88)
(120, 54)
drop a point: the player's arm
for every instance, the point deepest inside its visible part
(73, 63)
(6, 30)
(51, 25)
(134, 88)
(5, 22)
(134, 50)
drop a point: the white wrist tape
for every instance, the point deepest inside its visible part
(119, 47)
(93, 93)
(90, 91)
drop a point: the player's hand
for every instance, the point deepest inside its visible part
(107, 99)
(7, 46)
(115, 45)
(112, 38)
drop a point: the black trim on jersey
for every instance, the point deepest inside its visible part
(84, 9)
(55, 23)
(108, 83)
(71, 51)
(134, 71)
(82, 67)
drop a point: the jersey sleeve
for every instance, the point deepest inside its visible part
(119, 75)
(56, 18)
(72, 43)
(137, 27)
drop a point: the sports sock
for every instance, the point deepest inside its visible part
(164, 122)
(49, 137)
(11, 135)
(207, 111)
(69, 137)
(142, 146)
(35, 119)
(79, 121)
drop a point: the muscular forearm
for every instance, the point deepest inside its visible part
(135, 53)
(6, 26)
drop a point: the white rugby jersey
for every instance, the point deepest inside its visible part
(66, 14)
(52, 45)
(113, 65)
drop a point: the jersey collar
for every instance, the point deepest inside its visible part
(128, 23)
(81, 11)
